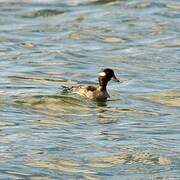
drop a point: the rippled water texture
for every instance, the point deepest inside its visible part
(48, 134)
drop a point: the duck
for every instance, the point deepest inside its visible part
(98, 92)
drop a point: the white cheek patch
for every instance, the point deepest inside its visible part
(102, 74)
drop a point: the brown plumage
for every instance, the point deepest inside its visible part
(98, 92)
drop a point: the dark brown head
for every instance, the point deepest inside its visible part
(105, 75)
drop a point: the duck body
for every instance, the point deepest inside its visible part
(92, 92)
(98, 92)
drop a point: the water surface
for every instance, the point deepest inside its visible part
(46, 134)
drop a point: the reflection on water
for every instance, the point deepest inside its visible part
(129, 156)
(47, 133)
(171, 98)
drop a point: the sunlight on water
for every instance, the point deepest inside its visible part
(171, 98)
(48, 132)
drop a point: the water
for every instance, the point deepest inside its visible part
(45, 134)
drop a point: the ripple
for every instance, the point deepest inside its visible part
(140, 5)
(92, 166)
(60, 166)
(56, 105)
(174, 6)
(169, 98)
(130, 156)
(43, 13)
(113, 40)
(81, 36)
(41, 79)
(6, 123)
(53, 122)
(27, 45)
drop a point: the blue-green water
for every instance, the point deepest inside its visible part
(45, 134)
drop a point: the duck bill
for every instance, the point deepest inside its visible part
(114, 78)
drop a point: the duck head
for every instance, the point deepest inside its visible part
(105, 75)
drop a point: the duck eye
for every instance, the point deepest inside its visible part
(102, 74)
